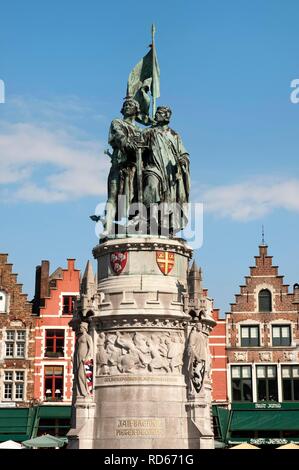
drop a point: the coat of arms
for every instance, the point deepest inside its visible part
(118, 261)
(88, 366)
(165, 261)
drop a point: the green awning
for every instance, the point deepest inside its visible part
(16, 423)
(261, 420)
(46, 441)
(223, 417)
(55, 412)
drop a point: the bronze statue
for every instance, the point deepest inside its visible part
(166, 168)
(121, 179)
(149, 168)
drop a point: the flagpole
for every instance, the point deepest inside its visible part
(153, 74)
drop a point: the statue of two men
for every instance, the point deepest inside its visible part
(165, 165)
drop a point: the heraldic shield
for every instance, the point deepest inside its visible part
(165, 261)
(118, 261)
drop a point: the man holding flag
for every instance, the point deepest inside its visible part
(145, 77)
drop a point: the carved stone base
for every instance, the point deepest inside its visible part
(81, 435)
(140, 331)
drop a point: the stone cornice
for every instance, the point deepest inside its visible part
(143, 244)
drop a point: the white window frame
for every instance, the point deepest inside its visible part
(15, 342)
(14, 383)
(251, 325)
(256, 297)
(66, 294)
(288, 364)
(278, 377)
(229, 381)
(250, 322)
(59, 363)
(281, 323)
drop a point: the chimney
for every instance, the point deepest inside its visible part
(263, 249)
(41, 285)
(296, 294)
(44, 279)
(71, 264)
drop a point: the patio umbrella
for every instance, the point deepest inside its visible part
(290, 445)
(11, 445)
(244, 445)
(46, 441)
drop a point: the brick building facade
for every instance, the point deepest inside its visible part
(199, 302)
(16, 340)
(263, 361)
(53, 306)
(263, 336)
(217, 343)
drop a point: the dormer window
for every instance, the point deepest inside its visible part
(3, 302)
(68, 303)
(265, 301)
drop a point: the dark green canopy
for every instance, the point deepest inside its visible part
(265, 420)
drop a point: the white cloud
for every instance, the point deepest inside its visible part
(46, 158)
(252, 199)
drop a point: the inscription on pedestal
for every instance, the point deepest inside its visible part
(146, 427)
(139, 379)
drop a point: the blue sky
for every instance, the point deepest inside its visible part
(226, 69)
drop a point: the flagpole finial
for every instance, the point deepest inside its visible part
(263, 235)
(153, 34)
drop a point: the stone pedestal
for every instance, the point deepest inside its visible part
(140, 331)
(81, 434)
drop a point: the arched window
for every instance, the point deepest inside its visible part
(3, 302)
(265, 301)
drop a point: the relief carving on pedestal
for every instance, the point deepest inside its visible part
(146, 352)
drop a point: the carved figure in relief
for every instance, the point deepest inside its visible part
(83, 353)
(197, 358)
(158, 354)
(102, 356)
(144, 351)
(130, 358)
(113, 353)
(174, 352)
(125, 352)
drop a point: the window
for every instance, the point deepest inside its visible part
(281, 335)
(265, 301)
(250, 336)
(267, 388)
(290, 383)
(14, 385)
(3, 302)
(54, 383)
(68, 304)
(241, 383)
(15, 343)
(54, 343)
(54, 426)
